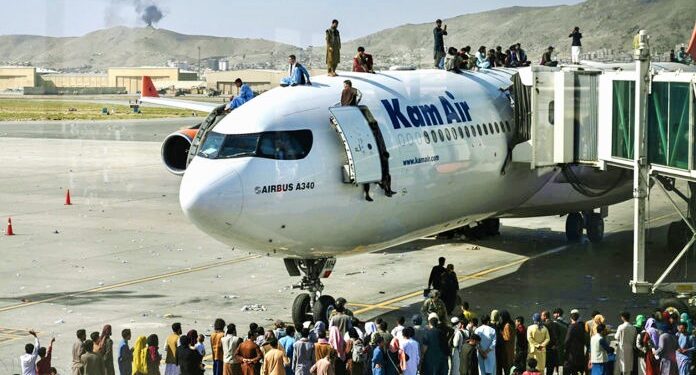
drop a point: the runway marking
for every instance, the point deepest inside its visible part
(130, 282)
(375, 306)
(474, 275)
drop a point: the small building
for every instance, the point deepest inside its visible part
(17, 77)
(259, 80)
(132, 77)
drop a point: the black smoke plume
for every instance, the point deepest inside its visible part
(149, 12)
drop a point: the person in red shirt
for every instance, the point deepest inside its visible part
(362, 62)
(43, 366)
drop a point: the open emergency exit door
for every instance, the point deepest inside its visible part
(362, 150)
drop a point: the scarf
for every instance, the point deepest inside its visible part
(684, 318)
(140, 355)
(336, 342)
(640, 322)
(105, 334)
(370, 328)
(653, 332)
(395, 347)
(495, 317)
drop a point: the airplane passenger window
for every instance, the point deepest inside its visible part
(497, 129)
(454, 133)
(426, 136)
(490, 126)
(466, 129)
(507, 124)
(442, 136)
(479, 130)
(434, 136)
(448, 135)
(461, 133)
(485, 129)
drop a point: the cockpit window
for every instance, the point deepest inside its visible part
(279, 145)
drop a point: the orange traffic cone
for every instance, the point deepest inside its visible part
(9, 231)
(67, 198)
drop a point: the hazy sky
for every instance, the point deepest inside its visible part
(298, 22)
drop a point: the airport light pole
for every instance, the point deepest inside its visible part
(199, 62)
(641, 172)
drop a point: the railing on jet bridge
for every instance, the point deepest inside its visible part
(671, 122)
(561, 114)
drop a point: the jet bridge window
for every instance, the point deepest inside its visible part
(623, 101)
(668, 124)
(278, 145)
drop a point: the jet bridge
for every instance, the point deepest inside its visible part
(640, 117)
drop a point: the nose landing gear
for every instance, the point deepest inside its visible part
(312, 306)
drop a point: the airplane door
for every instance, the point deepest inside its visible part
(362, 149)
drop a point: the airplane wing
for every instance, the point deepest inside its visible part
(149, 95)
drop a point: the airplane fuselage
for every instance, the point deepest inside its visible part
(448, 137)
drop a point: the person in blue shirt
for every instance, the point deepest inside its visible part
(298, 75)
(245, 94)
(378, 356)
(288, 344)
(685, 349)
(125, 354)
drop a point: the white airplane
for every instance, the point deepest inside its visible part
(283, 174)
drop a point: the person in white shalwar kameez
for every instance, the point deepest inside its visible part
(626, 338)
(486, 350)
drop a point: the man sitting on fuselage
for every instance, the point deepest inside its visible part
(245, 94)
(298, 74)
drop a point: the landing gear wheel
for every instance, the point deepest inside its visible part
(573, 228)
(301, 309)
(322, 308)
(595, 227)
(491, 227)
(678, 234)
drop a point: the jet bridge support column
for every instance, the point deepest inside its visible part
(641, 177)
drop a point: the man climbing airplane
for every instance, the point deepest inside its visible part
(245, 94)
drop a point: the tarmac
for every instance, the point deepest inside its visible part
(124, 254)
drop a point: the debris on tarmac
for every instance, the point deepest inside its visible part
(59, 321)
(255, 307)
(231, 296)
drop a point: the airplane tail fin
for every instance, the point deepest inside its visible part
(149, 89)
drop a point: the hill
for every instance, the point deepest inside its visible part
(607, 25)
(124, 46)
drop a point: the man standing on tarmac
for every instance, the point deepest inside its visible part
(439, 44)
(434, 281)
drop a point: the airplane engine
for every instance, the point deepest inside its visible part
(175, 150)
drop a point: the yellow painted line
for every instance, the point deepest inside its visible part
(130, 282)
(375, 306)
(475, 275)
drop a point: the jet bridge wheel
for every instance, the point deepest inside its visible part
(302, 309)
(595, 227)
(574, 226)
(322, 308)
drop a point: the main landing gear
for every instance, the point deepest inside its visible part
(312, 306)
(592, 222)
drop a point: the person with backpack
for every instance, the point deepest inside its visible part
(358, 354)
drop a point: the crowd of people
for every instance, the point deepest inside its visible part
(446, 338)
(453, 341)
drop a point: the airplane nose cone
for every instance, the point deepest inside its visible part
(211, 195)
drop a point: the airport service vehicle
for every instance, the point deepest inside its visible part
(284, 174)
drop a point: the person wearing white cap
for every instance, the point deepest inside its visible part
(457, 342)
